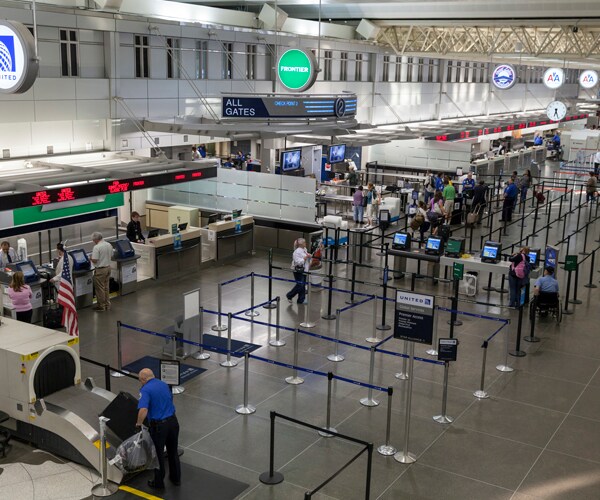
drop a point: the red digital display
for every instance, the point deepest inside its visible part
(40, 198)
(179, 177)
(138, 184)
(65, 194)
(441, 137)
(118, 187)
(196, 174)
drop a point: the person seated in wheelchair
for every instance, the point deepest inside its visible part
(545, 291)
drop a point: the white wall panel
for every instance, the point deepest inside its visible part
(99, 23)
(48, 133)
(91, 88)
(162, 89)
(91, 61)
(132, 88)
(15, 135)
(49, 59)
(55, 88)
(55, 110)
(17, 111)
(89, 130)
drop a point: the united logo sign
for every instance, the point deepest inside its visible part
(18, 65)
(504, 76)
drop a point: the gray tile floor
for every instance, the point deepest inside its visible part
(536, 437)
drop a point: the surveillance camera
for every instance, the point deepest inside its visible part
(575, 29)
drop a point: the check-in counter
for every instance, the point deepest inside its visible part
(226, 242)
(36, 298)
(83, 287)
(124, 271)
(158, 257)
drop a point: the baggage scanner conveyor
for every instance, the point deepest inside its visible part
(41, 390)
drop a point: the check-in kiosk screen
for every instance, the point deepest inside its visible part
(81, 259)
(534, 258)
(400, 240)
(124, 249)
(29, 271)
(490, 252)
(433, 244)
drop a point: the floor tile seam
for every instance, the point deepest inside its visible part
(590, 460)
(525, 403)
(554, 433)
(233, 419)
(222, 460)
(479, 431)
(562, 353)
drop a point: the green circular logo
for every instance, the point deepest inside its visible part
(296, 69)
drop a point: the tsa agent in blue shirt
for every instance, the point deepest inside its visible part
(538, 140)
(546, 283)
(510, 196)
(439, 183)
(156, 403)
(468, 185)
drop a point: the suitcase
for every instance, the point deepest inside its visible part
(53, 314)
(444, 232)
(122, 412)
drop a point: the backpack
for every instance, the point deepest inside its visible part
(521, 270)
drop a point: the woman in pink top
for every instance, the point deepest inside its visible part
(20, 295)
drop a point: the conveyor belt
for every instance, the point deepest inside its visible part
(85, 404)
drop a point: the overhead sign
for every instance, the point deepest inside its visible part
(18, 65)
(297, 69)
(504, 76)
(337, 107)
(414, 317)
(588, 79)
(554, 78)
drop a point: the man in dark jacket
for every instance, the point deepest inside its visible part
(134, 229)
(479, 201)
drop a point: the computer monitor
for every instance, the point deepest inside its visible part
(455, 247)
(534, 257)
(183, 227)
(490, 252)
(29, 271)
(124, 249)
(337, 153)
(291, 160)
(80, 260)
(153, 233)
(236, 213)
(434, 245)
(401, 241)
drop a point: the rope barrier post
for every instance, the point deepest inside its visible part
(107, 377)
(307, 323)
(328, 427)
(489, 287)
(405, 457)
(403, 374)
(481, 394)
(219, 327)
(119, 374)
(252, 312)
(175, 389)
(566, 309)
(383, 326)
(271, 476)
(575, 300)
(336, 357)
(590, 284)
(387, 450)
(352, 285)
(444, 418)
(432, 351)
(502, 289)
(295, 379)
(200, 354)
(453, 314)
(277, 342)
(329, 316)
(532, 337)
(374, 339)
(271, 304)
(369, 401)
(229, 363)
(105, 488)
(246, 409)
(505, 367)
(518, 352)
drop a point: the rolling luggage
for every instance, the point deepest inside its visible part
(53, 312)
(444, 232)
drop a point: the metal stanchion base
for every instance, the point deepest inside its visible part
(294, 380)
(590, 285)
(245, 410)
(270, 305)
(177, 389)
(335, 357)
(401, 376)
(218, 328)
(118, 374)
(386, 450)
(481, 395)
(310, 324)
(505, 368)
(405, 457)
(369, 402)
(443, 419)
(326, 434)
(531, 339)
(567, 312)
(328, 317)
(266, 478)
(372, 340)
(101, 491)
(200, 355)
(350, 302)
(457, 322)
(252, 313)
(432, 352)
(500, 290)
(489, 289)
(277, 343)
(575, 301)
(383, 327)
(517, 354)
(229, 364)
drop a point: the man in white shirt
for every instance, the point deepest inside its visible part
(7, 254)
(101, 255)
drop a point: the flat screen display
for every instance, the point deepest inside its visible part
(400, 239)
(534, 257)
(236, 213)
(433, 243)
(454, 247)
(291, 160)
(28, 269)
(489, 252)
(79, 256)
(124, 248)
(337, 153)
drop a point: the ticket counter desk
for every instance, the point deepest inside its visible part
(226, 243)
(124, 272)
(158, 257)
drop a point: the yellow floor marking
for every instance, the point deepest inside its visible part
(139, 493)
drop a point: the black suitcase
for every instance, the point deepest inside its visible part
(444, 232)
(122, 412)
(53, 316)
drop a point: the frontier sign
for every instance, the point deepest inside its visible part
(297, 69)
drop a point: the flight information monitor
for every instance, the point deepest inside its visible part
(291, 160)
(337, 153)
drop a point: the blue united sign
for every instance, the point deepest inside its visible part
(504, 76)
(414, 317)
(338, 107)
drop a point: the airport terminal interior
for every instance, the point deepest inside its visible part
(359, 240)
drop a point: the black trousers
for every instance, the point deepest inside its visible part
(166, 433)
(25, 316)
(507, 209)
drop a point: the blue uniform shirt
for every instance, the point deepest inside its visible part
(511, 191)
(468, 183)
(439, 183)
(547, 284)
(156, 396)
(538, 140)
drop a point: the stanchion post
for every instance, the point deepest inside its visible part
(453, 314)
(532, 337)
(566, 309)
(246, 409)
(200, 354)
(307, 323)
(328, 427)
(575, 300)
(295, 379)
(403, 374)
(505, 367)
(277, 342)
(252, 312)
(271, 476)
(518, 352)
(432, 351)
(369, 401)
(336, 357)
(229, 363)
(105, 488)
(271, 304)
(120, 373)
(481, 394)
(352, 285)
(383, 326)
(591, 284)
(329, 316)
(387, 450)
(219, 327)
(443, 418)
(405, 457)
(374, 339)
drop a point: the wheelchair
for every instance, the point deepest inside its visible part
(546, 304)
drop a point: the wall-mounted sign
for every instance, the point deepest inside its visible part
(337, 107)
(297, 69)
(556, 110)
(414, 317)
(18, 66)
(554, 78)
(588, 79)
(504, 76)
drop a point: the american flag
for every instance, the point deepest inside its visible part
(66, 298)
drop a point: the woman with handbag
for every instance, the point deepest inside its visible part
(301, 260)
(517, 275)
(436, 213)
